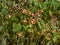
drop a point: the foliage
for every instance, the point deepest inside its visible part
(29, 22)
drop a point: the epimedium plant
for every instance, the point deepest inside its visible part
(29, 22)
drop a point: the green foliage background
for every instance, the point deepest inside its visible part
(29, 22)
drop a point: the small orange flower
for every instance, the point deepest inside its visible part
(8, 16)
(22, 4)
(55, 30)
(25, 20)
(25, 11)
(32, 21)
(32, 14)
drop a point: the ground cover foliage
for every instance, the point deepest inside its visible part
(29, 22)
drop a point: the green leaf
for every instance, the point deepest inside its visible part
(39, 25)
(39, 5)
(9, 3)
(4, 11)
(13, 18)
(4, 41)
(49, 43)
(0, 7)
(33, 10)
(16, 27)
(55, 37)
(1, 0)
(29, 26)
(1, 28)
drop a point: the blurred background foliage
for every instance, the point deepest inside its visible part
(29, 22)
